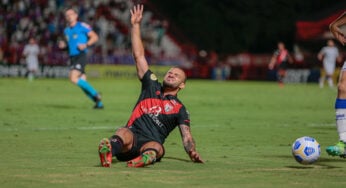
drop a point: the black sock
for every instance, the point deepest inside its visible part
(117, 144)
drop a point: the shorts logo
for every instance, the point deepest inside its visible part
(153, 77)
(340, 116)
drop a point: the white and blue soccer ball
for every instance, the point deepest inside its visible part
(306, 150)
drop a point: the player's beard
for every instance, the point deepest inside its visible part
(169, 86)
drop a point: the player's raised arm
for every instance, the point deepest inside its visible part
(335, 28)
(136, 40)
(189, 144)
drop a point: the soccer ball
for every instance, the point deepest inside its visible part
(306, 150)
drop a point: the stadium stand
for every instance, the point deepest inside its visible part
(44, 20)
(165, 44)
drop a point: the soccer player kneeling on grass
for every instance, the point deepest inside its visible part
(157, 112)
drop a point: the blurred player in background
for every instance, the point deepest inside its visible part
(31, 52)
(329, 55)
(280, 60)
(79, 36)
(157, 112)
(340, 103)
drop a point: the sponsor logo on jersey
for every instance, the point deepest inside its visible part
(154, 108)
(153, 113)
(168, 107)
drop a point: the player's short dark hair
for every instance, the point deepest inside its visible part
(71, 8)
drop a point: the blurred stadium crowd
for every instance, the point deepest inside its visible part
(44, 20)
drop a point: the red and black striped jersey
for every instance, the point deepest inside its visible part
(155, 115)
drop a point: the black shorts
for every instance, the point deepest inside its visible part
(78, 62)
(283, 65)
(138, 142)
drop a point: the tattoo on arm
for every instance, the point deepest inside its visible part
(188, 141)
(189, 146)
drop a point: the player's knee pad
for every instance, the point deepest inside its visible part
(116, 138)
(116, 143)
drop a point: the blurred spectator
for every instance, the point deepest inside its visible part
(280, 60)
(1, 56)
(298, 54)
(221, 71)
(31, 52)
(110, 18)
(328, 55)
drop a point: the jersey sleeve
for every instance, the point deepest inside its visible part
(184, 117)
(86, 27)
(149, 79)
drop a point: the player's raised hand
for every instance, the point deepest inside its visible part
(136, 14)
(338, 34)
(335, 28)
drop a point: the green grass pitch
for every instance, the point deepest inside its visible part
(49, 135)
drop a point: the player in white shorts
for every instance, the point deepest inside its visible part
(329, 55)
(340, 103)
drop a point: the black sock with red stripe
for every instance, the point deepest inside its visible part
(117, 144)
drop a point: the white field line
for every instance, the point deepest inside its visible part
(60, 128)
(85, 128)
(321, 125)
